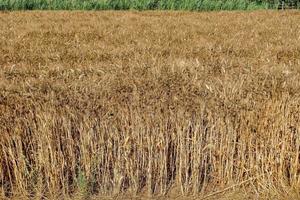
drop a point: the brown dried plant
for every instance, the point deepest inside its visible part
(110, 103)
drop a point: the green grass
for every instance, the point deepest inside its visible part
(200, 5)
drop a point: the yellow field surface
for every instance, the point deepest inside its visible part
(154, 104)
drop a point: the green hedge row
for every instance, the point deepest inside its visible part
(205, 5)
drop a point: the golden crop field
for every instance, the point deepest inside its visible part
(157, 104)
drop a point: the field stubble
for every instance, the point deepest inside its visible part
(109, 103)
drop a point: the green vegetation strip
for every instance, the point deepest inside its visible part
(199, 5)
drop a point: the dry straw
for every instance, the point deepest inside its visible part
(149, 103)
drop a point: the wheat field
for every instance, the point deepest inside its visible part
(152, 104)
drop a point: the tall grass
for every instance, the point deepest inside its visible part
(204, 5)
(149, 103)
